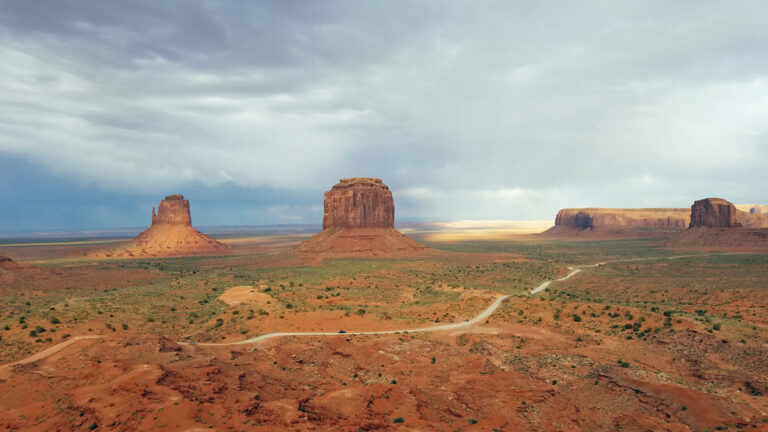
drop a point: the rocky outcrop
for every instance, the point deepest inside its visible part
(720, 213)
(359, 220)
(174, 210)
(171, 234)
(717, 224)
(713, 213)
(359, 202)
(4, 260)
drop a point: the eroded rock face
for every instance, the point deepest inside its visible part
(174, 210)
(607, 218)
(5, 260)
(714, 213)
(359, 202)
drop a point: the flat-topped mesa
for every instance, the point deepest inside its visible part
(359, 202)
(753, 209)
(173, 210)
(608, 218)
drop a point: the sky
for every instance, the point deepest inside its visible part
(467, 110)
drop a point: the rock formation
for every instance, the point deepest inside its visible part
(717, 224)
(171, 234)
(359, 202)
(593, 222)
(174, 210)
(359, 220)
(7, 263)
(720, 213)
(713, 213)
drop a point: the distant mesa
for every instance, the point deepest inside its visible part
(718, 224)
(616, 222)
(758, 209)
(171, 234)
(359, 220)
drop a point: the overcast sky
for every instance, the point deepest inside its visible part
(468, 110)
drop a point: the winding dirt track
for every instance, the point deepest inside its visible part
(577, 269)
(5, 369)
(483, 315)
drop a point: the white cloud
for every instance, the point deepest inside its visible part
(498, 110)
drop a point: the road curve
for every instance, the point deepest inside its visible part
(6, 368)
(482, 316)
(577, 269)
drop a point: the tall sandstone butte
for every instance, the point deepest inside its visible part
(359, 220)
(171, 234)
(359, 202)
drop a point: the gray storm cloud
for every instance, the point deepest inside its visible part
(489, 110)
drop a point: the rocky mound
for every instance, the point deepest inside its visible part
(171, 234)
(611, 222)
(359, 220)
(716, 224)
(7, 263)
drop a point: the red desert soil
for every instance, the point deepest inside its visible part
(171, 234)
(531, 365)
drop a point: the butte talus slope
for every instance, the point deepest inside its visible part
(610, 222)
(359, 220)
(717, 224)
(171, 234)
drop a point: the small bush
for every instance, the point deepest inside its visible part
(398, 420)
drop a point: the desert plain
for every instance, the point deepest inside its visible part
(643, 337)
